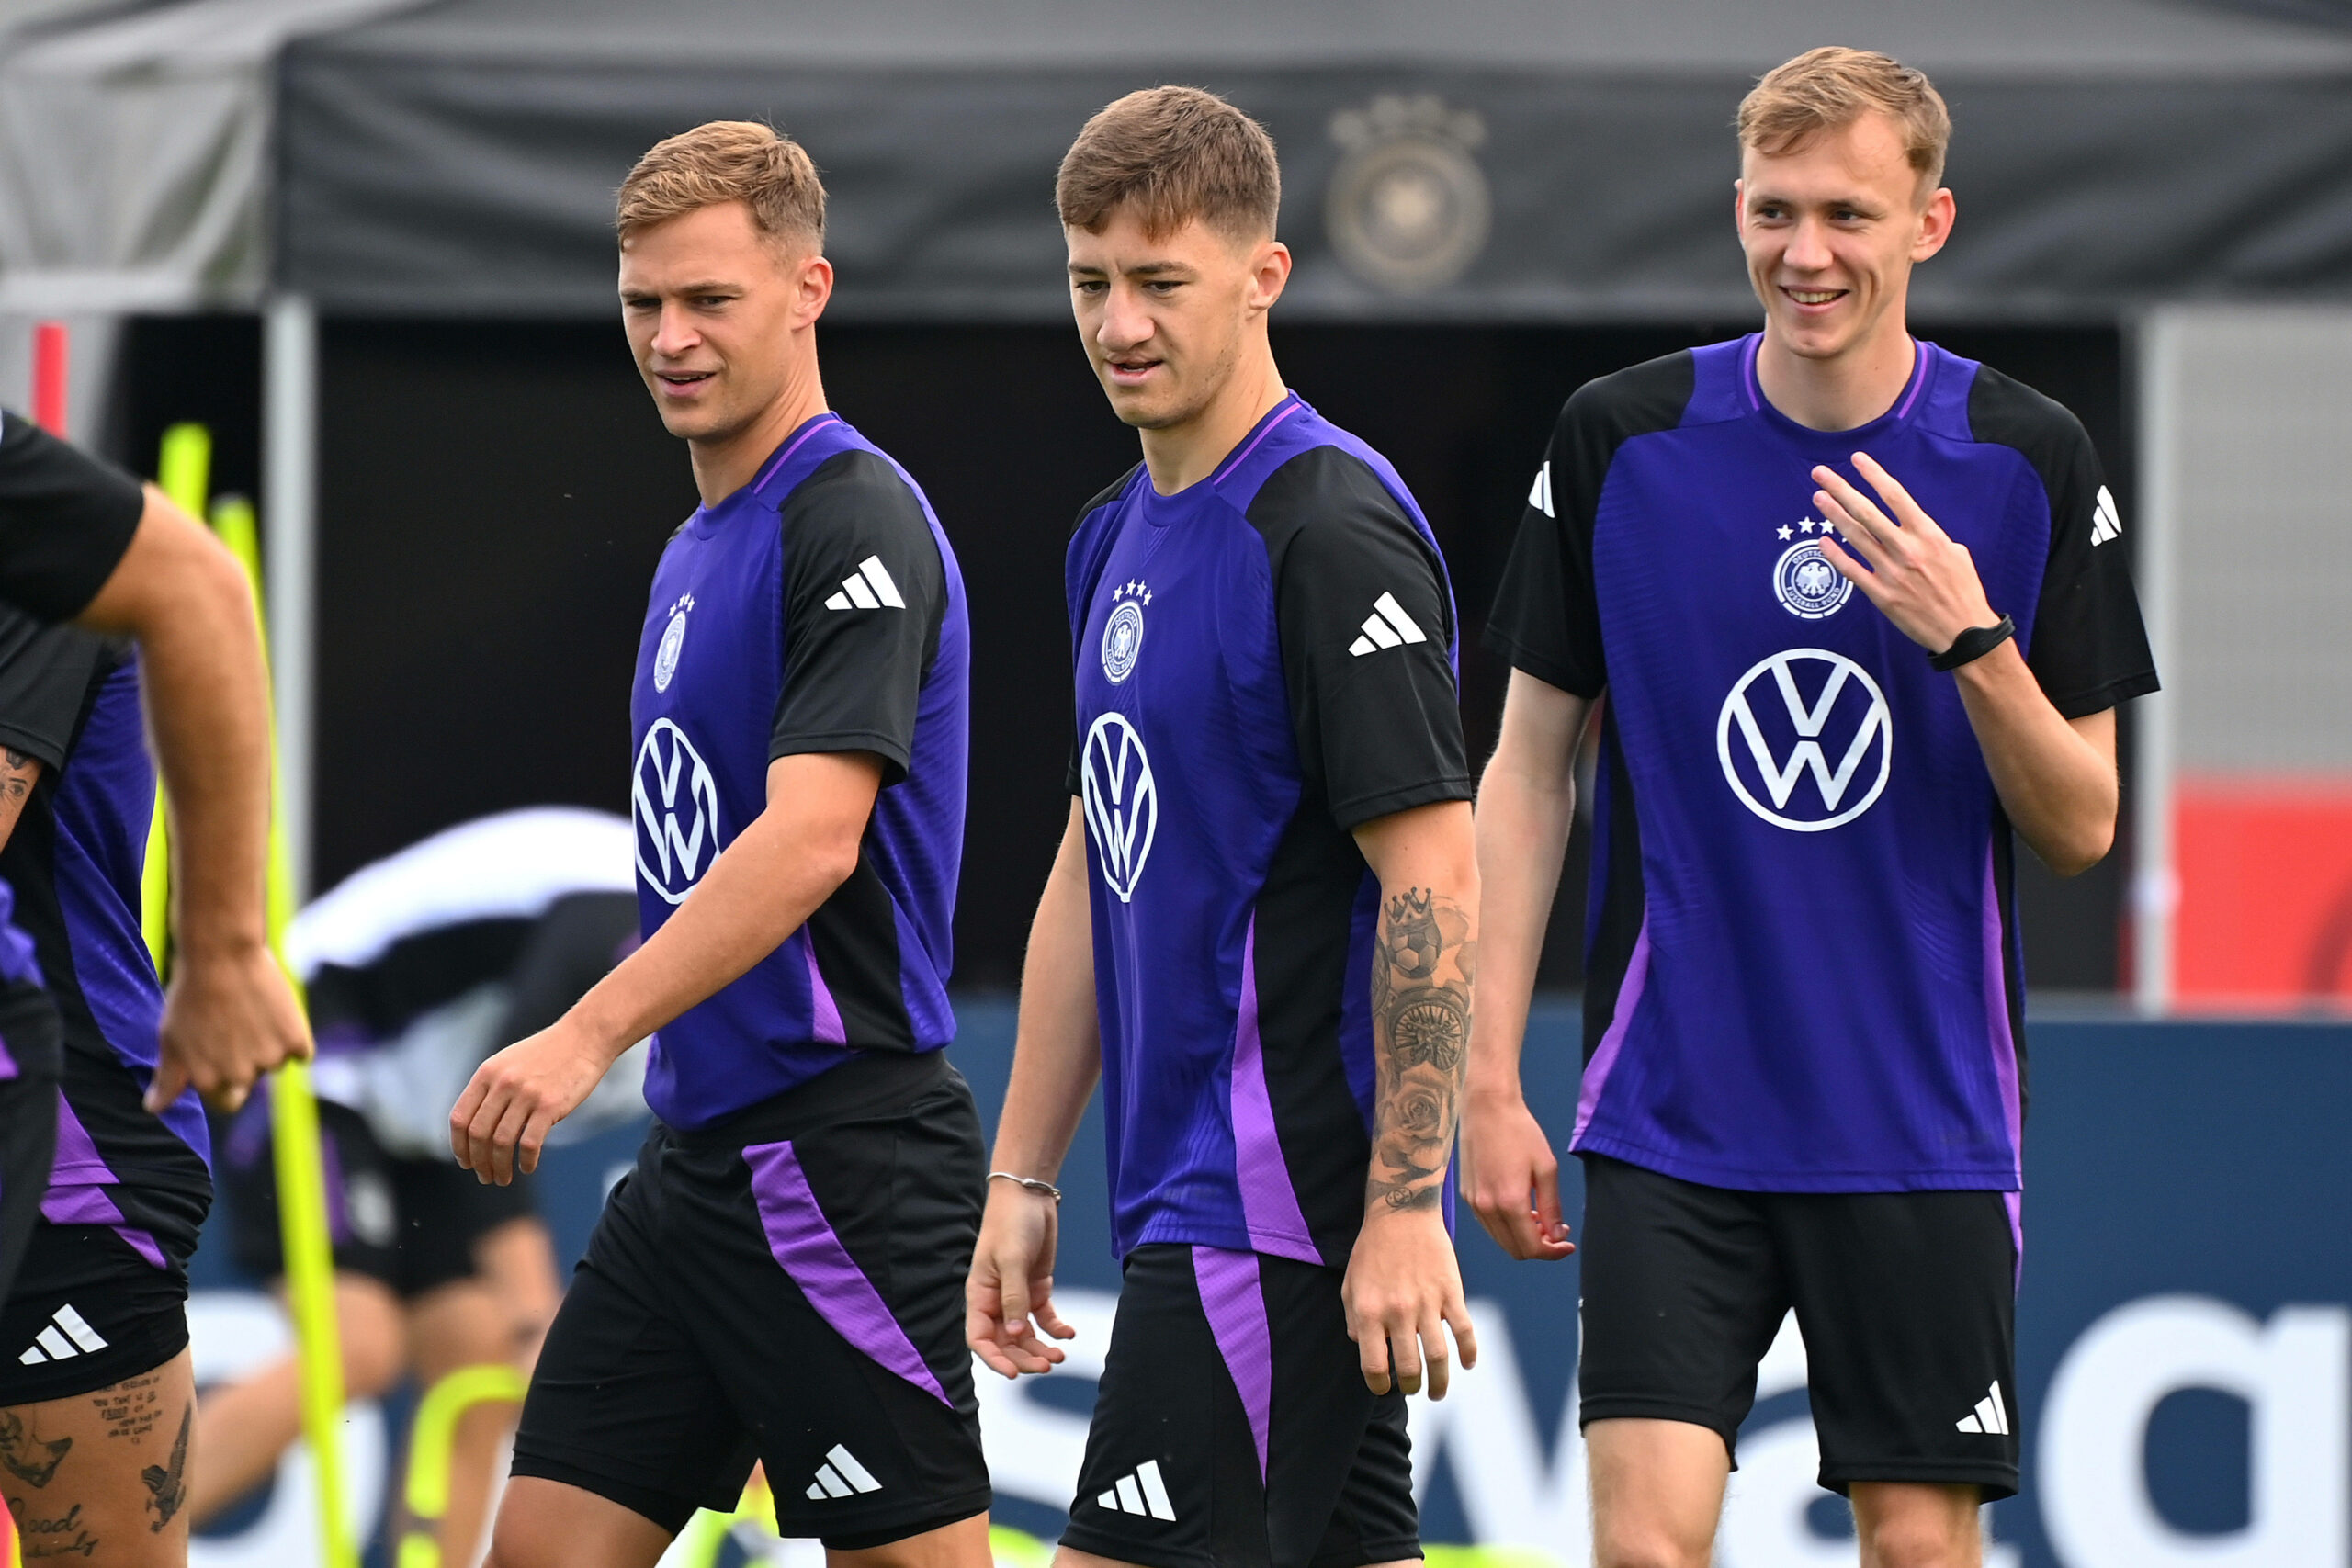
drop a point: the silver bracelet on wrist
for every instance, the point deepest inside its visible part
(1031, 1183)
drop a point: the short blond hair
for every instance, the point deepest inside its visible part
(727, 160)
(1171, 154)
(1828, 89)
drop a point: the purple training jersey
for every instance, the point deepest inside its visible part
(1265, 662)
(818, 609)
(76, 859)
(1803, 972)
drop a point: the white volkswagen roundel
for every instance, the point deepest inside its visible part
(1122, 802)
(1122, 641)
(677, 812)
(666, 658)
(1785, 721)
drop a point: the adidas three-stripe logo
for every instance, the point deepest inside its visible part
(1387, 627)
(1539, 496)
(68, 1334)
(1142, 1493)
(2107, 522)
(841, 1474)
(1991, 1416)
(867, 588)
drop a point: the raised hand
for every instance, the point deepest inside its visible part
(1921, 577)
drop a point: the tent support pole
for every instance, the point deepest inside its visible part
(2155, 882)
(289, 525)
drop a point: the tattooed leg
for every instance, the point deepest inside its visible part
(112, 1470)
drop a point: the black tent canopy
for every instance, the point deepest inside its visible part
(1481, 160)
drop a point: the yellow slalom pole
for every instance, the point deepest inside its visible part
(433, 1436)
(301, 1176)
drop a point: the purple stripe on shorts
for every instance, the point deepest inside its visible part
(90, 1205)
(2005, 1051)
(786, 456)
(1269, 1202)
(804, 1246)
(824, 1013)
(1236, 1306)
(1294, 406)
(7, 1063)
(1604, 1059)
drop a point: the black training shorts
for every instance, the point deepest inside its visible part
(1906, 1301)
(1232, 1429)
(86, 1312)
(408, 1222)
(786, 1287)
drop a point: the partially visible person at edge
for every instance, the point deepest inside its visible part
(1861, 615)
(103, 1173)
(777, 1278)
(417, 966)
(1266, 955)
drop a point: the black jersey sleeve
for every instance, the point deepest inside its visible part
(65, 521)
(1366, 628)
(2089, 648)
(1546, 614)
(865, 597)
(45, 678)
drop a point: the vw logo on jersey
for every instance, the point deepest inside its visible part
(1121, 799)
(1809, 587)
(1122, 641)
(677, 812)
(1814, 704)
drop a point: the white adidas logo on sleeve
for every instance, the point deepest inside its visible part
(1991, 1416)
(867, 588)
(1540, 496)
(2107, 522)
(1387, 627)
(1143, 1494)
(68, 1334)
(841, 1475)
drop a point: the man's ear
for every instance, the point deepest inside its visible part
(816, 287)
(1270, 274)
(1935, 224)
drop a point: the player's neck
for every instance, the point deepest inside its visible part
(1182, 455)
(1845, 391)
(730, 462)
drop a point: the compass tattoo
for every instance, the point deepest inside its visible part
(1421, 973)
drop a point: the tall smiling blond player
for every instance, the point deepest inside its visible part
(1863, 620)
(778, 1279)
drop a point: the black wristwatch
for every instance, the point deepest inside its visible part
(1973, 644)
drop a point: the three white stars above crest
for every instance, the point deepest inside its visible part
(1808, 525)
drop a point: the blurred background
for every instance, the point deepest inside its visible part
(368, 245)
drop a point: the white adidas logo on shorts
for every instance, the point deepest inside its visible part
(839, 1476)
(1142, 1493)
(867, 588)
(69, 1335)
(1991, 1416)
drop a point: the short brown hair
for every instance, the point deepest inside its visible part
(1171, 154)
(727, 160)
(1828, 89)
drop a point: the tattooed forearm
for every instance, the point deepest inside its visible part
(1420, 1020)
